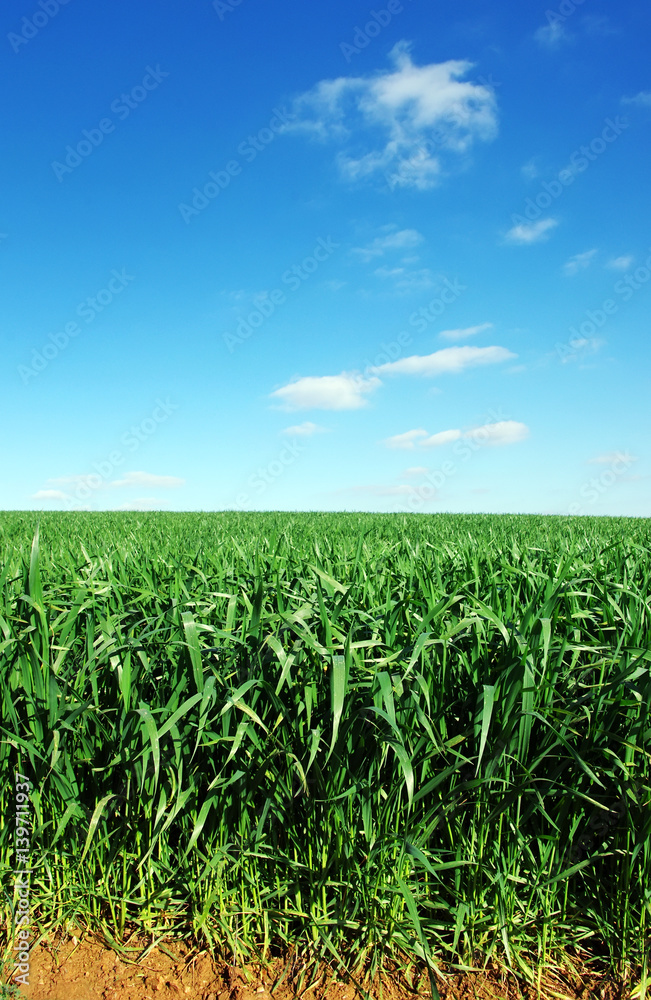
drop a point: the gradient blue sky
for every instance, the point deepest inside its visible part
(292, 256)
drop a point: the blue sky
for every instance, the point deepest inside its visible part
(328, 257)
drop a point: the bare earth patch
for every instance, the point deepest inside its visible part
(86, 969)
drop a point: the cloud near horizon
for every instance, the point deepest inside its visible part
(147, 479)
(93, 481)
(49, 495)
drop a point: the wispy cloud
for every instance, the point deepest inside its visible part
(502, 432)
(306, 429)
(406, 441)
(401, 239)
(346, 391)
(579, 262)
(621, 263)
(447, 360)
(599, 25)
(531, 232)
(642, 100)
(441, 438)
(49, 495)
(405, 280)
(579, 349)
(84, 479)
(468, 331)
(388, 272)
(92, 481)
(426, 116)
(552, 35)
(529, 170)
(147, 479)
(404, 489)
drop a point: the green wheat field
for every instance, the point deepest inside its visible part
(372, 737)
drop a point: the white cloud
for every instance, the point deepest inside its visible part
(147, 479)
(443, 437)
(552, 35)
(306, 429)
(402, 123)
(405, 280)
(579, 262)
(402, 239)
(449, 359)
(389, 272)
(643, 99)
(88, 480)
(405, 442)
(49, 495)
(468, 331)
(501, 432)
(531, 232)
(326, 392)
(621, 263)
(416, 470)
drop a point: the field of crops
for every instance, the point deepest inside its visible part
(361, 735)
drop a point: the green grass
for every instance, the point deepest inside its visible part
(370, 736)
